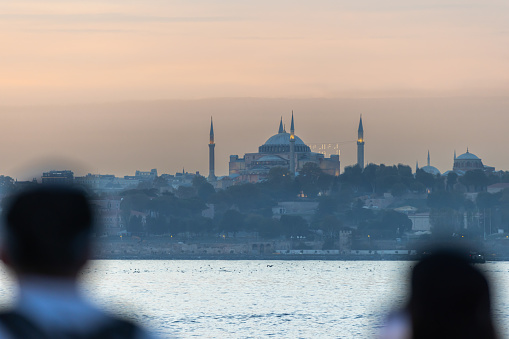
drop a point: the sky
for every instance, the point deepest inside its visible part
(114, 86)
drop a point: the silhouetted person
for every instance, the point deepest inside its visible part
(449, 299)
(46, 242)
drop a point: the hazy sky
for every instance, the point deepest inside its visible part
(96, 82)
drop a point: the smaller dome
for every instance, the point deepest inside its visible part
(468, 156)
(431, 170)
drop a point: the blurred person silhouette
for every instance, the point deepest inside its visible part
(449, 298)
(46, 235)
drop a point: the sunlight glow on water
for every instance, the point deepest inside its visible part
(254, 299)
(251, 299)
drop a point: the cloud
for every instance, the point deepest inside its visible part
(111, 18)
(265, 38)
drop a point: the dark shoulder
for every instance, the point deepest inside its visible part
(116, 328)
(19, 326)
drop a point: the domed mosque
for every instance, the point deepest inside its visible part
(430, 169)
(467, 162)
(280, 150)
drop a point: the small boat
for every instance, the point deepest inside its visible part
(477, 258)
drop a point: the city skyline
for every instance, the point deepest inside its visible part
(128, 138)
(112, 87)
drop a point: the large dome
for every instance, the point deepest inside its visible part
(282, 139)
(468, 156)
(280, 143)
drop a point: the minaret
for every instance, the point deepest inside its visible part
(454, 154)
(416, 166)
(360, 145)
(292, 148)
(428, 159)
(212, 176)
(281, 128)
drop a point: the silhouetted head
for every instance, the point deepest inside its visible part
(449, 299)
(46, 231)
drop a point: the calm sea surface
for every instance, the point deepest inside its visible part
(258, 299)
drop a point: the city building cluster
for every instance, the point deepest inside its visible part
(379, 189)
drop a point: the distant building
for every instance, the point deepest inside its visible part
(428, 168)
(305, 209)
(495, 188)
(146, 175)
(108, 215)
(467, 162)
(106, 183)
(64, 177)
(280, 150)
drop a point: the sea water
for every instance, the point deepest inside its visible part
(260, 299)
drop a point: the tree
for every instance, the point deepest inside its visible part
(270, 228)
(160, 182)
(369, 177)
(6, 184)
(294, 226)
(279, 175)
(331, 225)
(395, 222)
(475, 179)
(247, 197)
(352, 176)
(398, 189)
(280, 184)
(157, 225)
(425, 178)
(203, 188)
(444, 199)
(185, 192)
(135, 225)
(445, 222)
(452, 179)
(327, 206)
(232, 221)
(308, 179)
(488, 200)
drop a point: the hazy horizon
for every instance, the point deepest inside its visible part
(119, 138)
(113, 86)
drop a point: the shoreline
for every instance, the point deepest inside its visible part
(269, 257)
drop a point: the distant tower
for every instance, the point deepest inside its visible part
(429, 163)
(416, 166)
(454, 154)
(292, 148)
(360, 145)
(212, 176)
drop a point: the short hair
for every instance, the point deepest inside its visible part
(450, 298)
(47, 229)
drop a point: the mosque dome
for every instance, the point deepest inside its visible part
(467, 162)
(281, 143)
(431, 170)
(468, 156)
(282, 139)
